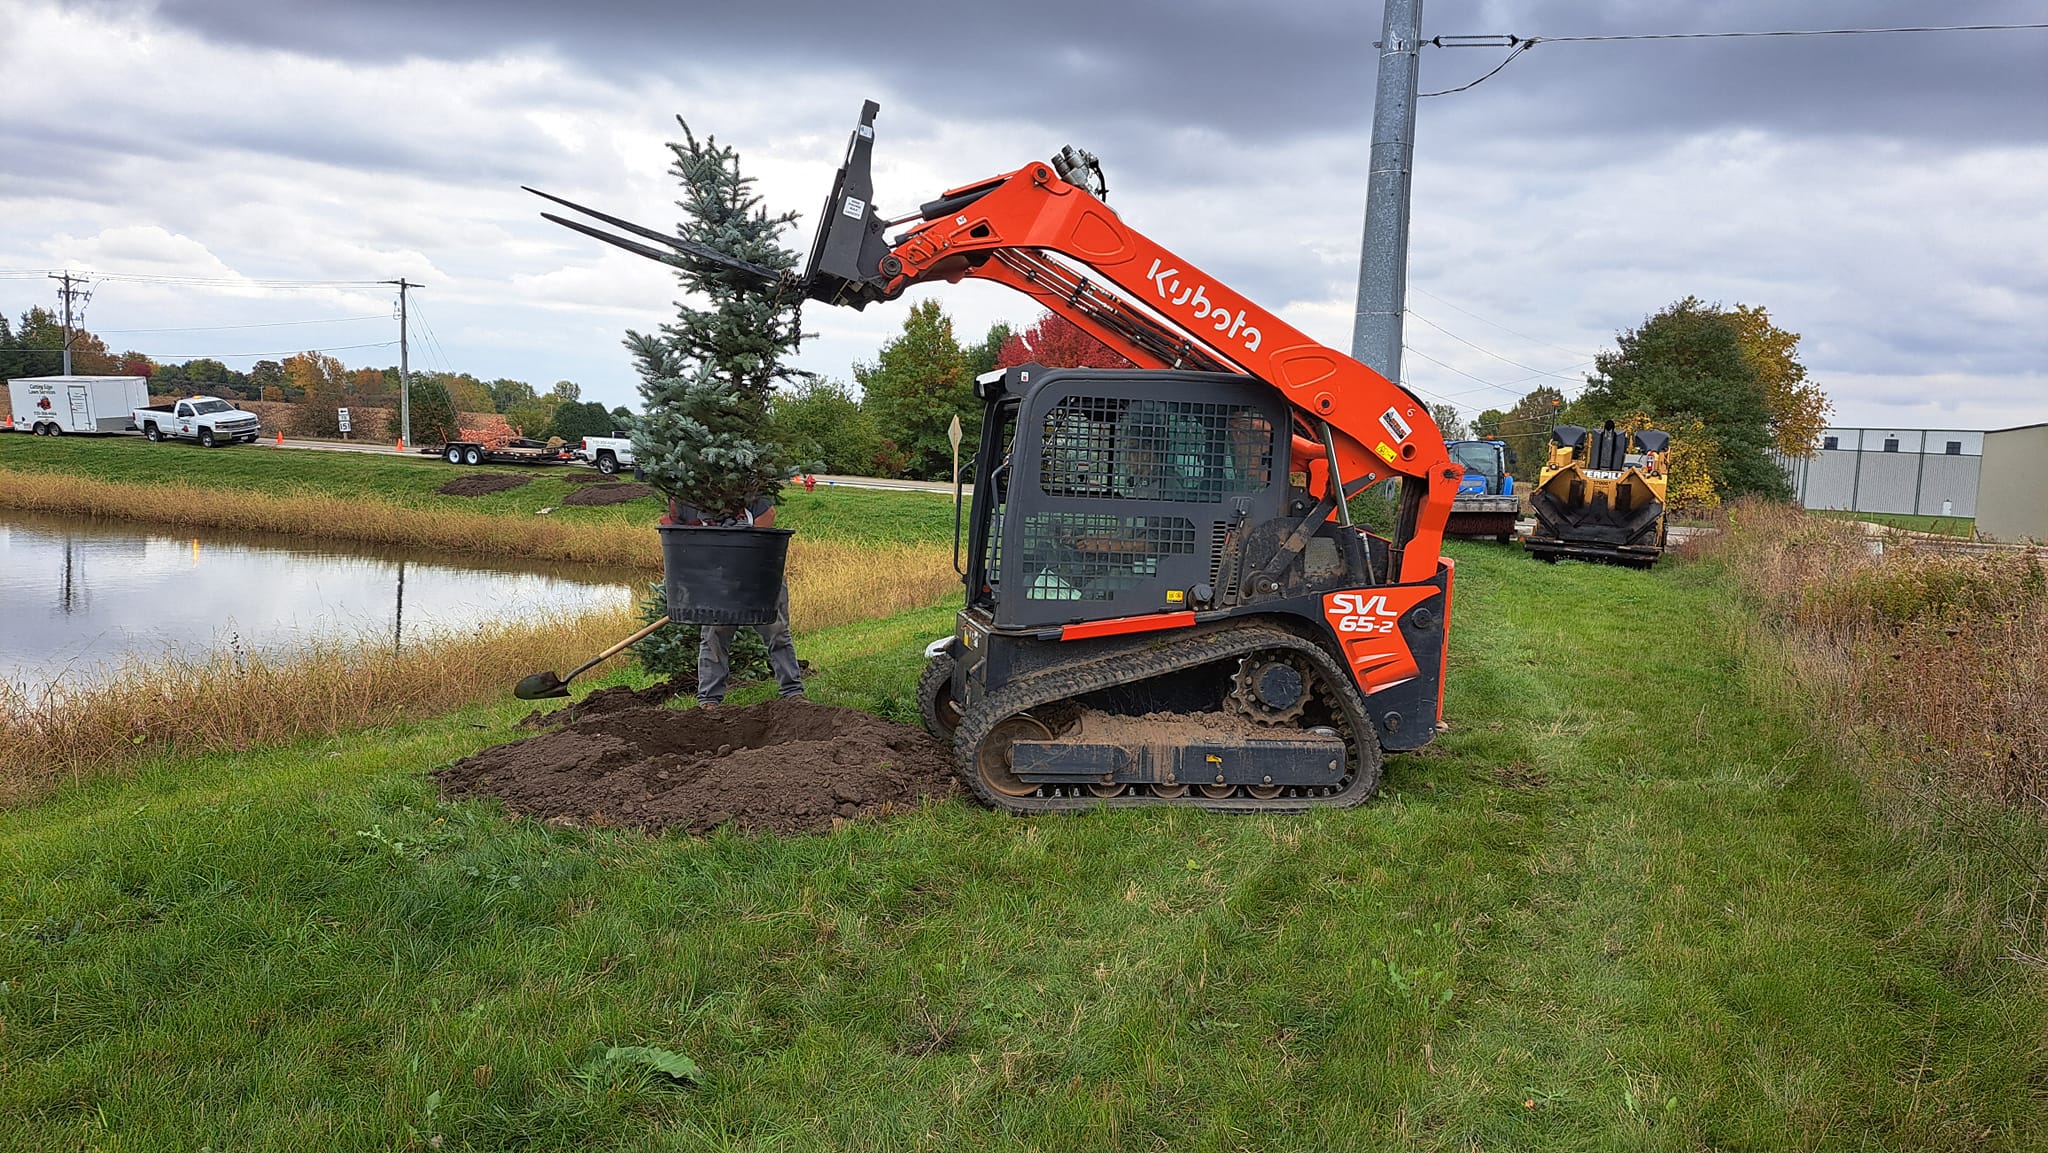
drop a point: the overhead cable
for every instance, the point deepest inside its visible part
(1521, 44)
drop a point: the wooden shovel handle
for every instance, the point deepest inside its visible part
(615, 650)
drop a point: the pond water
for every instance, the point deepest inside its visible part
(80, 598)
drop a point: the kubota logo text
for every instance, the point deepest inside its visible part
(1166, 281)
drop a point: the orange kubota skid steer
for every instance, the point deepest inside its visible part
(1166, 601)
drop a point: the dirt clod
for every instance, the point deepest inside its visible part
(783, 766)
(607, 493)
(482, 484)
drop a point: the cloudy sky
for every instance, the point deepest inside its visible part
(1882, 195)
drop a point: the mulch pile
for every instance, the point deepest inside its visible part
(482, 484)
(607, 493)
(782, 766)
(581, 477)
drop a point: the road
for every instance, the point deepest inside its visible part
(939, 487)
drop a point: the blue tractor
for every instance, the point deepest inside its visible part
(1486, 504)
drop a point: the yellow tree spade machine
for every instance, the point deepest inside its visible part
(1600, 496)
(1166, 601)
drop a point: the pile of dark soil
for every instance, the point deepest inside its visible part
(782, 766)
(581, 477)
(482, 484)
(607, 493)
(616, 699)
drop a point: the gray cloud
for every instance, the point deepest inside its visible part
(1878, 193)
(1253, 71)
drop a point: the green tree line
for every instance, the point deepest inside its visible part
(34, 345)
(1725, 382)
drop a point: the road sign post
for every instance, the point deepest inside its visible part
(341, 417)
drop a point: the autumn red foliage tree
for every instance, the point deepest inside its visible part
(1057, 342)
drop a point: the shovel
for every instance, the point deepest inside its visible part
(541, 686)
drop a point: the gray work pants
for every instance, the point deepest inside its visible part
(715, 643)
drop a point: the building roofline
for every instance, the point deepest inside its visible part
(2017, 428)
(1897, 428)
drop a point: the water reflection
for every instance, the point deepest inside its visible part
(79, 598)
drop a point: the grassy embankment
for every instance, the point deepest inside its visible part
(1962, 526)
(380, 499)
(858, 555)
(1939, 662)
(1635, 899)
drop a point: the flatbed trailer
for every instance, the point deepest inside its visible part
(514, 452)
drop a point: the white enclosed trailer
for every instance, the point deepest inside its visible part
(49, 405)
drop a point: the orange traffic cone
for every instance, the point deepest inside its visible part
(401, 445)
(280, 438)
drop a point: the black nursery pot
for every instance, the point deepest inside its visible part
(723, 574)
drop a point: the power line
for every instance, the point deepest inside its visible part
(1494, 324)
(1788, 32)
(1520, 48)
(228, 327)
(433, 341)
(196, 281)
(1521, 44)
(1497, 356)
(1506, 388)
(1451, 368)
(176, 356)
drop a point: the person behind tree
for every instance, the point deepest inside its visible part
(714, 643)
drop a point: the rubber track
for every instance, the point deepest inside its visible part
(1143, 664)
(937, 678)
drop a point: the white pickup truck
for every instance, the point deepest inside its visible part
(608, 453)
(201, 418)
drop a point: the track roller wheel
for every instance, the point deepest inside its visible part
(1170, 792)
(1217, 792)
(1265, 792)
(992, 760)
(1107, 791)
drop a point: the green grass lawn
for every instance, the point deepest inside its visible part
(830, 512)
(1631, 901)
(1944, 525)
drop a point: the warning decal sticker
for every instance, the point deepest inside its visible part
(1395, 426)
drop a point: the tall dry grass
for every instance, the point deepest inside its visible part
(1930, 670)
(839, 582)
(1946, 655)
(233, 701)
(327, 517)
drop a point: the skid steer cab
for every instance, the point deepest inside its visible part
(1157, 612)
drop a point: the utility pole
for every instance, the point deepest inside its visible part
(83, 294)
(404, 364)
(1383, 264)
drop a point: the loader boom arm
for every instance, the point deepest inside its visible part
(1054, 240)
(1045, 231)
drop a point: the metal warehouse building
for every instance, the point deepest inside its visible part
(1933, 471)
(2012, 499)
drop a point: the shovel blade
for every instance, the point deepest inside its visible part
(539, 687)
